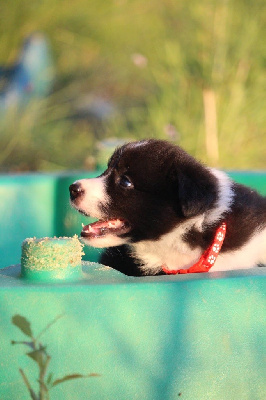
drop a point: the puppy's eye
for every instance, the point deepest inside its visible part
(125, 182)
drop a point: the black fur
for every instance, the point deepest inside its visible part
(169, 187)
(165, 192)
(247, 216)
(120, 259)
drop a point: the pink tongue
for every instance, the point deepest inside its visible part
(100, 227)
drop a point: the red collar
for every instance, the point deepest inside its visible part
(208, 258)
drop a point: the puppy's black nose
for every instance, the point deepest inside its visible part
(75, 190)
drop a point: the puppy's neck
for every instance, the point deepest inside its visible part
(170, 249)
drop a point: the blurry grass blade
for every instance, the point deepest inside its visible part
(73, 376)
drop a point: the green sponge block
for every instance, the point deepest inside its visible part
(51, 258)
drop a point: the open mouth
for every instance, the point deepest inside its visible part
(102, 228)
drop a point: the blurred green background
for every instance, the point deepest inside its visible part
(188, 71)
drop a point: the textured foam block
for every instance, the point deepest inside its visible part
(58, 256)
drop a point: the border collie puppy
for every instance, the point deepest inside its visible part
(161, 211)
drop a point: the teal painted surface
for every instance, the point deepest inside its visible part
(26, 209)
(256, 180)
(36, 205)
(149, 338)
(196, 337)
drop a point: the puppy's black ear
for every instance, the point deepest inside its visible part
(197, 191)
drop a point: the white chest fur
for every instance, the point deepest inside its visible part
(169, 250)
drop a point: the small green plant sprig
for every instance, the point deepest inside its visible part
(38, 353)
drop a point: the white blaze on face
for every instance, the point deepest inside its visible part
(94, 196)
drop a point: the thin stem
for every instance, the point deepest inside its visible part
(49, 325)
(27, 383)
(44, 393)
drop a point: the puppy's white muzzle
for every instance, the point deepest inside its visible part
(89, 196)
